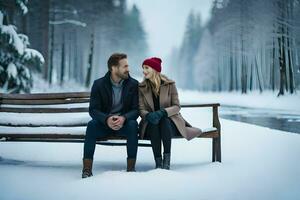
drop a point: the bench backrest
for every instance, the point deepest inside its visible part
(70, 102)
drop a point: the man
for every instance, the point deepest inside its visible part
(114, 110)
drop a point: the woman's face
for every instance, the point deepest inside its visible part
(148, 72)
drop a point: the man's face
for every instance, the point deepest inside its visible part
(122, 71)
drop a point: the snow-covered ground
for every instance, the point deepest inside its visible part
(266, 100)
(257, 163)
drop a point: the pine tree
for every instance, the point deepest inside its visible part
(189, 47)
(15, 56)
(134, 38)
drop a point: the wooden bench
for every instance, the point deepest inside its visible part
(46, 117)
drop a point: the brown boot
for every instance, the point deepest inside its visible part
(131, 164)
(87, 168)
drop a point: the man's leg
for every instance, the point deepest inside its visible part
(94, 129)
(130, 130)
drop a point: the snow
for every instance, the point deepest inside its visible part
(41, 86)
(32, 53)
(80, 130)
(254, 99)
(1, 18)
(45, 119)
(68, 21)
(24, 39)
(23, 7)
(12, 70)
(52, 120)
(257, 163)
(14, 39)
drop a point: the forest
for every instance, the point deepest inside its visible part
(245, 45)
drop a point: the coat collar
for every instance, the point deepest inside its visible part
(167, 81)
(148, 94)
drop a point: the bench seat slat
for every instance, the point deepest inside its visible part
(75, 109)
(45, 101)
(64, 95)
(43, 110)
(210, 133)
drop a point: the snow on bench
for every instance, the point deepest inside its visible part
(62, 117)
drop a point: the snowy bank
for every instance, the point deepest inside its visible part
(252, 99)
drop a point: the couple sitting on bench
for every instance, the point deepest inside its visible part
(117, 100)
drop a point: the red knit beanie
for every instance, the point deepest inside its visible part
(154, 63)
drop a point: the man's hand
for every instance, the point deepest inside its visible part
(115, 122)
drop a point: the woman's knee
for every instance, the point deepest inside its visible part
(165, 121)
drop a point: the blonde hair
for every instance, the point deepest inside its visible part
(154, 82)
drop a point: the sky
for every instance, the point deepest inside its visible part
(165, 20)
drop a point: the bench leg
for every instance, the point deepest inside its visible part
(216, 149)
(213, 150)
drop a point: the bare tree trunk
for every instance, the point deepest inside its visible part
(258, 76)
(70, 53)
(90, 63)
(50, 67)
(290, 48)
(281, 45)
(244, 76)
(76, 58)
(62, 72)
(231, 68)
(251, 77)
(291, 71)
(236, 73)
(219, 76)
(272, 74)
(45, 36)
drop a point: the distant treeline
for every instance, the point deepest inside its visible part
(246, 45)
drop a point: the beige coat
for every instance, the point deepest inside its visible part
(168, 99)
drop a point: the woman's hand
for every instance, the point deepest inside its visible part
(154, 117)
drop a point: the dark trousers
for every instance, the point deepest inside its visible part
(161, 133)
(95, 129)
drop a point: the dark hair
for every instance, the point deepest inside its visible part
(114, 59)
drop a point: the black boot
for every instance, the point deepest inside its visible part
(166, 161)
(87, 168)
(158, 162)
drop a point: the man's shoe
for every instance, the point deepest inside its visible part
(87, 168)
(131, 164)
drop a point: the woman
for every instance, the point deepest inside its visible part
(159, 108)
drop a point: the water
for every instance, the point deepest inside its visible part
(274, 119)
